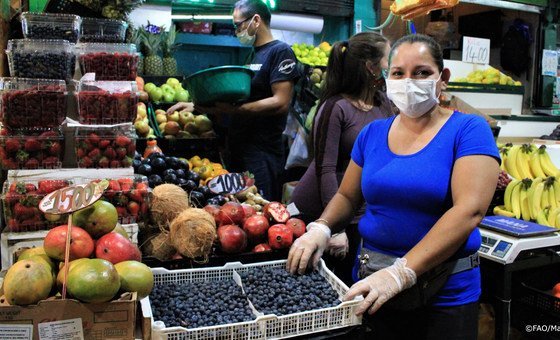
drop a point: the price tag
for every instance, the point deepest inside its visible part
(16, 332)
(476, 50)
(61, 330)
(550, 63)
(228, 183)
(72, 198)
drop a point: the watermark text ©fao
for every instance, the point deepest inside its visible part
(542, 328)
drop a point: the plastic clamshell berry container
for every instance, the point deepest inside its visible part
(20, 201)
(103, 30)
(31, 149)
(129, 195)
(44, 59)
(105, 146)
(51, 26)
(107, 102)
(108, 61)
(264, 326)
(32, 103)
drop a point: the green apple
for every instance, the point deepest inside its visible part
(160, 112)
(156, 94)
(168, 96)
(142, 128)
(173, 82)
(149, 87)
(161, 118)
(167, 88)
(174, 117)
(182, 96)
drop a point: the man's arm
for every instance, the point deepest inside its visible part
(278, 104)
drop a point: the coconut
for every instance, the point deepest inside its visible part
(168, 201)
(159, 247)
(192, 233)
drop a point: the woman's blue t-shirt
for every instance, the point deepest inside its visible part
(407, 194)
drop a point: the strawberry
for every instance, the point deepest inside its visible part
(93, 138)
(121, 211)
(115, 164)
(50, 162)
(48, 186)
(110, 153)
(4, 132)
(54, 148)
(94, 154)
(30, 187)
(12, 145)
(9, 164)
(103, 162)
(144, 208)
(13, 197)
(121, 200)
(113, 188)
(121, 153)
(126, 184)
(126, 162)
(48, 134)
(32, 145)
(22, 156)
(123, 141)
(32, 223)
(13, 225)
(85, 162)
(22, 212)
(32, 163)
(80, 153)
(133, 208)
(131, 149)
(104, 143)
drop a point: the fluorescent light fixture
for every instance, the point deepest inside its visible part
(201, 17)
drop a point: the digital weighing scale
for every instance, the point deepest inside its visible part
(505, 239)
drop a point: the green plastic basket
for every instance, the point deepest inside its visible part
(228, 84)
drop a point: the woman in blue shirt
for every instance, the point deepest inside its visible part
(427, 176)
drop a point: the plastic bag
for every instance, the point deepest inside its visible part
(300, 155)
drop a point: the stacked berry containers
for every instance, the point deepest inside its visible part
(103, 30)
(41, 58)
(105, 146)
(28, 103)
(108, 61)
(107, 102)
(31, 149)
(51, 26)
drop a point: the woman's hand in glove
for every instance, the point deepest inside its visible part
(338, 245)
(382, 285)
(312, 244)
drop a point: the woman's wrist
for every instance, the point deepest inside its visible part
(323, 227)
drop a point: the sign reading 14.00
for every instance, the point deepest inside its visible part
(476, 50)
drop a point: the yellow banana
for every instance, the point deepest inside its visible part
(530, 195)
(536, 200)
(516, 201)
(542, 217)
(511, 161)
(500, 210)
(556, 185)
(544, 198)
(503, 155)
(552, 214)
(548, 167)
(557, 222)
(525, 210)
(508, 192)
(523, 164)
(535, 164)
(552, 197)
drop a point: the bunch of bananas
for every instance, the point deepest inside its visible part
(527, 161)
(533, 200)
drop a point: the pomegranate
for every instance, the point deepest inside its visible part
(248, 210)
(297, 226)
(231, 213)
(259, 248)
(232, 239)
(276, 212)
(213, 210)
(256, 227)
(116, 248)
(280, 236)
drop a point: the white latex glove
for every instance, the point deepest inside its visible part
(310, 245)
(338, 245)
(382, 285)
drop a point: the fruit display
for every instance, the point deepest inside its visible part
(168, 47)
(527, 161)
(162, 169)
(20, 200)
(36, 149)
(108, 61)
(107, 102)
(318, 77)
(171, 91)
(184, 124)
(488, 76)
(51, 26)
(103, 30)
(47, 59)
(153, 64)
(142, 123)
(200, 304)
(105, 147)
(32, 103)
(310, 55)
(276, 291)
(129, 195)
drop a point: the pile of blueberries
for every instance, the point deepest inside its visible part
(200, 304)
(44, 65)
(276, 291)
(52, 32)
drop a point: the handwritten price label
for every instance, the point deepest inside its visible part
(476, 50)
(228, 184)
(72, 198)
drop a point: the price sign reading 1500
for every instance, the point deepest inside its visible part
(476, 50)
(72, 198)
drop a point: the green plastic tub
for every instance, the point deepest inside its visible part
(228, 84)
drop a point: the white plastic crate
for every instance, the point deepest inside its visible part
(12, 243)
(265, 326)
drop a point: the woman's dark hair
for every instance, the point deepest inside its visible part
(433, 47)
(347, 74)
(251, 7)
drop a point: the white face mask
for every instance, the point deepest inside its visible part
(244, 37)
(413, 97)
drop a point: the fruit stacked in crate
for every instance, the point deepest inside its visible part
(105, 146)
(103, 30)
(108, 61)
(20, 200)
(31, 149)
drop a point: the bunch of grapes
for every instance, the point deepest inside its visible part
(503, 180)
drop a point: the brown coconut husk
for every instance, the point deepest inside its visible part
(159, 247)
(192, 233)
(168, 201)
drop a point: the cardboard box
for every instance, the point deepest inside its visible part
(110, 320)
